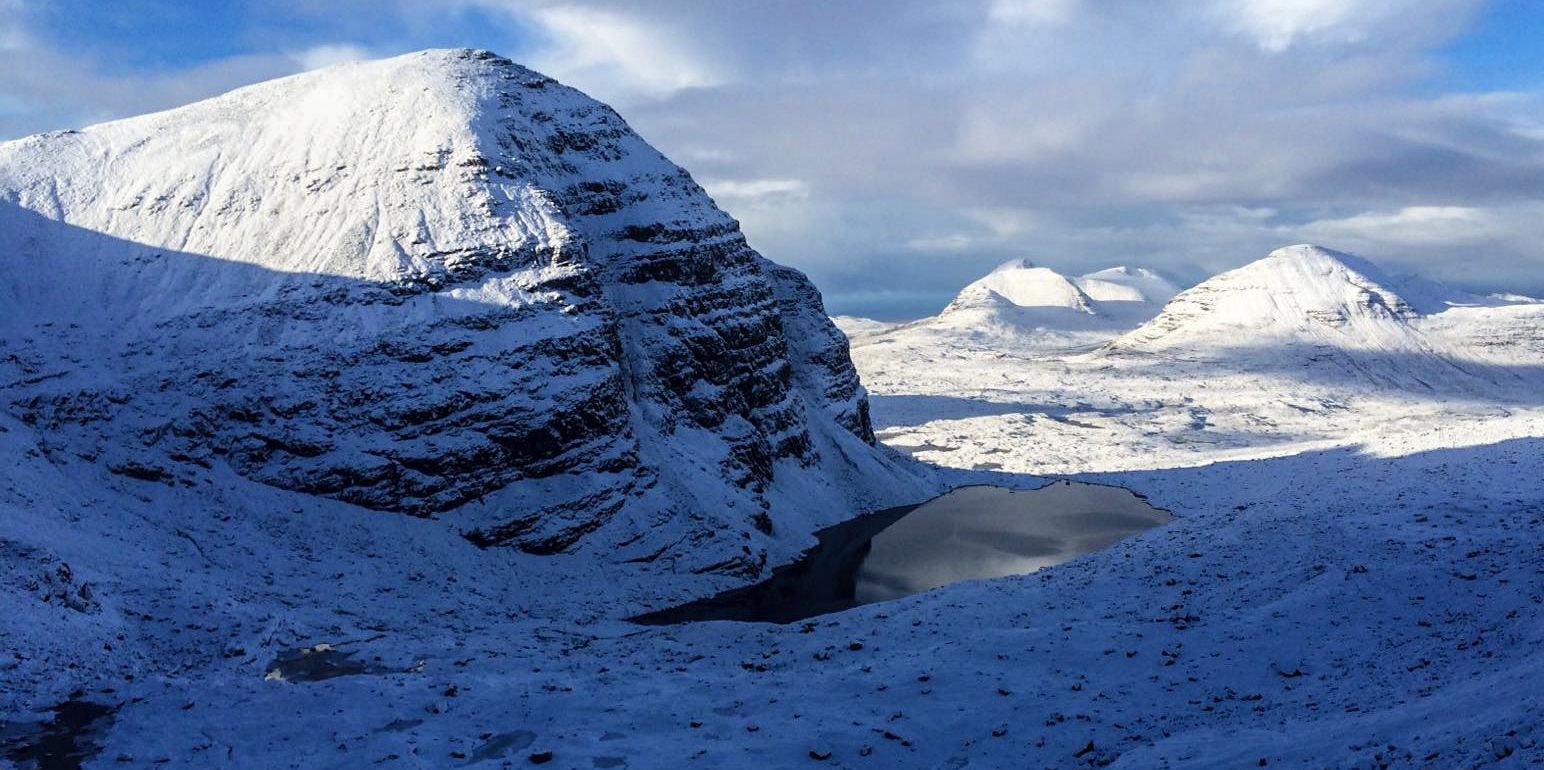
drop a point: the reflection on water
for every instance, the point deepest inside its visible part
(972, 532)
(72, 737)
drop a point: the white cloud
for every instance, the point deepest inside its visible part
(952, 242)
(756, 189)
(990, 229)
(619, 57)
(987, 134)
(691, 154)
(1277, 25)
(1005, 222)
(1031, 12)
(319, 56)
(1414, 226)
(13, 34)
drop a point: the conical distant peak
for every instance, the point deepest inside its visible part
(1306, 251)
(1018, 263)
(1328, 260)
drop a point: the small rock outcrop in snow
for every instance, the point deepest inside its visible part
(440, 282)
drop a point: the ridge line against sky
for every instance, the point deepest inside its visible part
(897, 150)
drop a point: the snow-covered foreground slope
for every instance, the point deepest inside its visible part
(1352, 580)
(1372, 605)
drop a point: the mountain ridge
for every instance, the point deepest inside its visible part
(1305, 307)
(430, 284)
(1036, 309)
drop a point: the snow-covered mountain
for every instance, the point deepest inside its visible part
(1251, 354)
(1127, 284)
(1297, 293)
(1115, 294)
(1310, 308)
(1029, 308)
(1022, 284)
(241, 341)
(440, 284)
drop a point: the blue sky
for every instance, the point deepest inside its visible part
(1502, 50)
(895, 149)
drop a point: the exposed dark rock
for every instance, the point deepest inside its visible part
(583, 323)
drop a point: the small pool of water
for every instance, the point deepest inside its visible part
(969, 533)
(72, 737)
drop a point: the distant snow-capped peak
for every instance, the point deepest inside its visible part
(1301, 292)
(1127, 284)
(1020, 283)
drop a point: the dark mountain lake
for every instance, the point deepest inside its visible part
(71, 738)
(969, 533)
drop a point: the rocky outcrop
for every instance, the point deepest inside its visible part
(433, 284)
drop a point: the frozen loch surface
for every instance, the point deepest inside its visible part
(970, 533)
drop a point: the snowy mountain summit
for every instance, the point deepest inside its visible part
(1032, 309)
(1019, 283)
(1294, 293)
(1110, 293)
(1306, 308)
(1127, 284)
(441, 285)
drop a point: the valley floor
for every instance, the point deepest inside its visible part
(1354, 579)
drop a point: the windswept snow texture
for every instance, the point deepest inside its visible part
(440, 284)
(268, 360)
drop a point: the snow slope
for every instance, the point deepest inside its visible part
(1027, 308)
(1311, 308)
(1023, 284)
(1127, 284)
(1351, 581)
(1290, 352)
(1342, 588)
(857, 326)
(1296, 293)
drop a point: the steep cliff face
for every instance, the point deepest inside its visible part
(440, 284)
